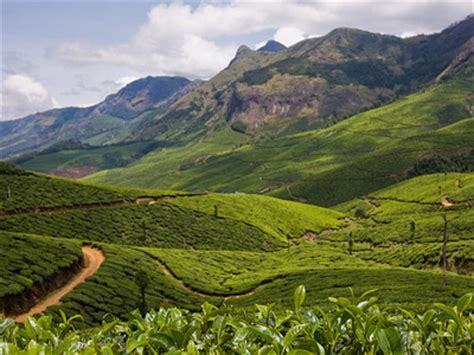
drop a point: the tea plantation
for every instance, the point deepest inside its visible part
(233, 250)
(29, 259)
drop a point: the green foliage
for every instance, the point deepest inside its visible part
(246, 277)
(63, 155)
(113, 290)
(440, 164)
(354, 324)
(251, 252)
(256, 77)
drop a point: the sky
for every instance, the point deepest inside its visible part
(74, 53)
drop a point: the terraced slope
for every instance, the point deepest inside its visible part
(404, 224)
(280, 218)
(32, 265)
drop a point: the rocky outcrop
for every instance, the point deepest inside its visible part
(288, 98)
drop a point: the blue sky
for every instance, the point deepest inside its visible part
(64, 53)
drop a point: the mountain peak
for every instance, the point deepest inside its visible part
(243, 51)
(272, 46)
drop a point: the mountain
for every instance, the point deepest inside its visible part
(267, 96)
(344, 163)
(314, 83)
(43, 129)
(141, 95)
(272, 46)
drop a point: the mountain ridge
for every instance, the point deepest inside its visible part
(38, 130)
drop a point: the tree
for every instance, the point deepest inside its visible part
(412, 231)
(144, 230)
(360, 212)
(350, 243)
(445, 247)
(142, 280)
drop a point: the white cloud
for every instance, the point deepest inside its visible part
(125, 80)
(408, 34)
(289, 35)
(179, 39)
(22, 95)
(259, 45)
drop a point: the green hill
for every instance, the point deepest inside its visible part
(404, 224)
(328, 166)
(280, 218)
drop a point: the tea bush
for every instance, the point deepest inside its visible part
(351, 325)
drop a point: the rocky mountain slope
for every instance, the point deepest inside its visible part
(312, 84)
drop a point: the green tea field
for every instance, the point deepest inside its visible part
(234, 250)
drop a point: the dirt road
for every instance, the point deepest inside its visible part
(93, 257)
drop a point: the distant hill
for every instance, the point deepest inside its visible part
(43, 129)
(272, 46)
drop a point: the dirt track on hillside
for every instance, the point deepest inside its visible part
(94, 258)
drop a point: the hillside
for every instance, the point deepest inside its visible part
(97, 124)
(224, 249)
(361, 154)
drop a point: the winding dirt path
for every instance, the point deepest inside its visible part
(94, 258)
